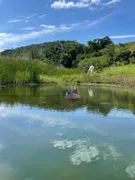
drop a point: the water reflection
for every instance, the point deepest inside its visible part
(86, 151)
(41, 133)
(91, 92)
(95, 99)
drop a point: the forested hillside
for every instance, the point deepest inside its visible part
(100, 52)
(58, 52)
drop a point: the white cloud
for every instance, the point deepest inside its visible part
(22, 19)
(48, 26)
(123, 36)
(86, 151)
(111, 152)
(10, 38)
(31, 16)
(67, 27)
(3, 35)
(63, 4)
(27, 28)
(16, 38)
(84, 154)
(17, 21)
(130, 170)
(95, 1)
(43, 15)
(6, 112)
(63, 144)
(121, 113)
(112, 2)
(98, 21)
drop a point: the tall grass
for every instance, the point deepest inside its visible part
(121, 75)
(26, 71)
(127, 70)
(23, 72)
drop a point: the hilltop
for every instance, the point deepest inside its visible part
(58, 52)
(100, 52)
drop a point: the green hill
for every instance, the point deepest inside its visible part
(68, 61)
(101, 53)
(130, 46)
(58, 52)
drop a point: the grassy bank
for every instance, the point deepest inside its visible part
(24, 72)
(122, 75)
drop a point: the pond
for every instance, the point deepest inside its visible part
(46, 137)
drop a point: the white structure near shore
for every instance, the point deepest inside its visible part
(91, 69)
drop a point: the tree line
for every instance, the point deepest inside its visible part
(101, 53)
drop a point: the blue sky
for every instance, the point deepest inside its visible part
(36, 21)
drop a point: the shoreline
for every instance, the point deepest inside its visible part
(62, 83)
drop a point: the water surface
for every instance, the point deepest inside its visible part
(45, 137)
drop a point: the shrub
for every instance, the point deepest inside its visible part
(22, 77)
(98, 62)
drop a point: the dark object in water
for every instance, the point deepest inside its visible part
(71, 95)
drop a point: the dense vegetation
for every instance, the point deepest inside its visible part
(66, 61)
(100, 52)
(24, 72)
(59, 52)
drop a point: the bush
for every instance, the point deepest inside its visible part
(31, 71)
(98, 62)
(132, 60)
(119, 64)
(22, 77)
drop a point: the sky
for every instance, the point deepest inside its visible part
(36, 21)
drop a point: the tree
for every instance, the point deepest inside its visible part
(109, 51)
(132, 60)
(104, 42)
(71, 53)
(100, 43)
(93, 46)
(98, 62)
(123, 57)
